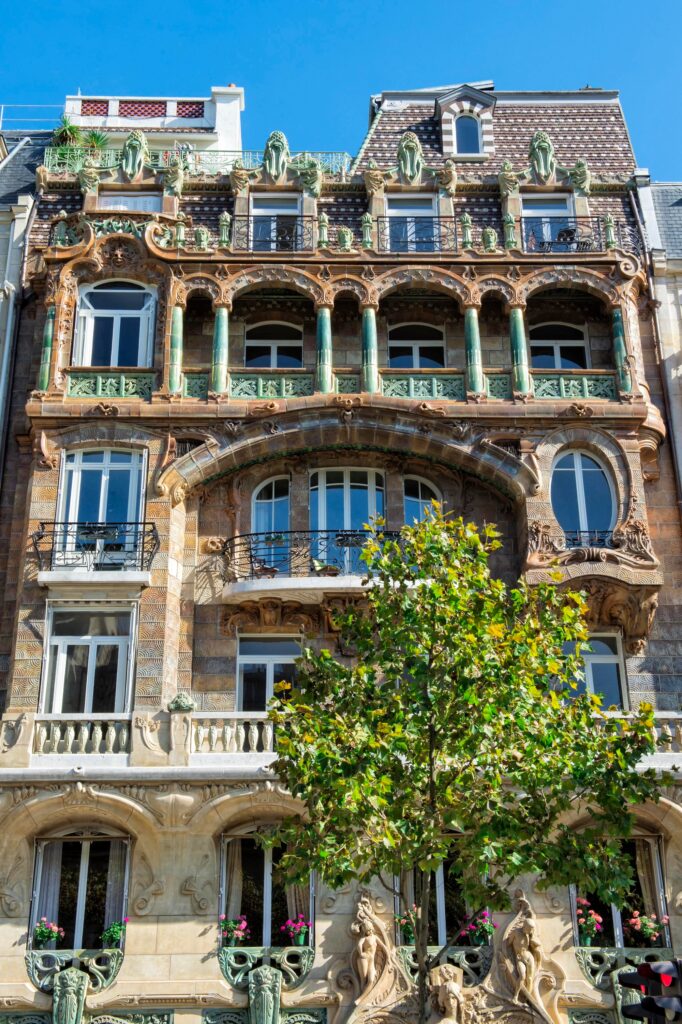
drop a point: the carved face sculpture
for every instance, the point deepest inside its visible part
(135, 154)
(410, 157)
(541, 155)
(276, 156)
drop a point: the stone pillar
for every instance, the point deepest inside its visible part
(220, 356)
(324, 379)
(175, 369)
(475, 383)
(370, 351)
(521, 380)
(46, 354)
(620, 352)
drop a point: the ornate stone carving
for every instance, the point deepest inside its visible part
(12, 889)
(508, 180)
(239, 177)
(374, 179)
(88, 177)
(182, 703)
(69, 990)
(174, 176)
(612, 603)
(135, 154)
(446, 988)
(521, 953)
(581, 179)
(447, 177)
(101, 966)
(489, 237)
(276, 157)
(345, 239)
(146, 887)
(541, 158)
(310, 176)
(271, 614)
(375, 975)
(198, 891)
(265, 989)
(410, 159)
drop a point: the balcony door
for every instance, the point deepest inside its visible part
(548, 224)
(100, 510)
(411, 224)
(276, 225)
(342, 501)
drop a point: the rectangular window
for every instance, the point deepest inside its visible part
(279, 356)
(412, 224)
(252, 889)
(549, 224)
(604, 669)
(275, 224)
(416, 356)
(145, 202)
(262, 662)
(88, 660)
(558, 355)
(81, 886)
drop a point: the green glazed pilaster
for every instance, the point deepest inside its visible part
(175, 370)
(220, 358)
(472, 347)
(620, 352)
(370, 351)
(46, 354)
(519, 352)
(324, 382)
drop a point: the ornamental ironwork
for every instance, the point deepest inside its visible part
(273, 233)
(96, 546)
(237, 962)
(475, 961)
(416, 235)
(598, 963)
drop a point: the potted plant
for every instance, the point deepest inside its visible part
(297, 930)
(590, 923)
(407, 922)
(112, 935)
(480, 929)
(96, 139)
(67, 133)
(644, 929)
(234, 930)
(46, 932)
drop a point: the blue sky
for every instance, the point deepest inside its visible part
(308, 68)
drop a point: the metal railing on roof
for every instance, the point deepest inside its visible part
(9, 121)
(70, 159)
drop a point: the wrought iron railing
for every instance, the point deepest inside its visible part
(70, 159)
(323, 553)
(414, 235)
(276, 233)
(577, 235)
(589, 538)
(96, 546)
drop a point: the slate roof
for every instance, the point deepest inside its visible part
(586, 128)
(18, 173)
(668, 206)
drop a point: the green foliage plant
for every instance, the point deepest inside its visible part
(67, 133)
(455, 732)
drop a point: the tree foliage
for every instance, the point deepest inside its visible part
(454, 730)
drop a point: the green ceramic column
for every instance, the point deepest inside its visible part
(519, 352)
(175, 369)
(220, 359)
(620, 352)
(475, 382)
(324, 380)
(46, 354)
(370, 351)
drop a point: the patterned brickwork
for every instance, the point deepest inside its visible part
(190, 108)
(142, 108)
(94, 108)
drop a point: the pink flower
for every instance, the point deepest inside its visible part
(494, 925)
(125, 920)
(463, 934)
(283, 928)
(665, 919)
(222, 917)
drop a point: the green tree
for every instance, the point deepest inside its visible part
(452, 730)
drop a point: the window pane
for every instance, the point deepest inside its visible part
(598, 500)
(284, 904)
(644, 893)
(542, 357)
(251, 902)
(273, 204)
(573, 357)
(289, 356)
(102, 334)
(118, 494)
(274, 332)
(75, 679)
(606, 937)
(404, 206)
(431, 356)
(104, 684)
(538, 206)
(87, 510)
(400, 357)
(96, 894)
(91, 623)
(555, 332)
(258, 355)
(415, 332)
(270, 647)
(455, 905)
(606, 682)
(603, 645)
(254, 687)
(129, 341)
(467, 135)
(115, 299)
(565, 495)
(68, 891)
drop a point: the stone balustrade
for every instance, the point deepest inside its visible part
(232, 733)
(82, 734)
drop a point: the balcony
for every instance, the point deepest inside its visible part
(414, 235)
(82, 734)
(104, 553)
(110, 384)
(276, 233)
(295, 563)
(71, 159)
(575, 235)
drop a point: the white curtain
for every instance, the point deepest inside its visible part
(234, 879)
(50, 879)
(113, 901)
(645, 874)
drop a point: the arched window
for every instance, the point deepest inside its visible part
(274, 345)
(418, 496)
(467, 134)
(582, 499)
(253, 890)
(415, 347)
(115, 325)
(271, 506)
(558, 347)
(80, 885)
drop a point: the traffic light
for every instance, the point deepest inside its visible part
(660, 983)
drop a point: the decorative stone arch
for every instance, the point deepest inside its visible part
(243, 806)
(428, 277)
(277, 275)
(574, 278)
(353, 286)
(497, 286)
(197, 284)
(111, 433)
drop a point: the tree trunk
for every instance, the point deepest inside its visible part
(421, 944)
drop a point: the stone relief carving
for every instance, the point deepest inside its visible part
(265, 993)
(239, 177)
(374, 179)
(410, 159)
(276, 157)
(146, 887)
(198, 891)
(12, 889)
(271, 614)
(68, 1004)
(135, 154)
(374, 976)
(542, 159)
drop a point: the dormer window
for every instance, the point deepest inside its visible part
(132, 202)
(467, 135)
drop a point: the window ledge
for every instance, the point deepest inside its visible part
(118, 583)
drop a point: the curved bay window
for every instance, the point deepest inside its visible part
(418, 497)
(558, 347)
(583, 500)
(251, 888)
(467, 135)
(115, 325)
(342, 501)
(643, 921)
(274, 345)
(416, 347)
(81, 885)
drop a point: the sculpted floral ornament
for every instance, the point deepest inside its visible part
(374, 972)
(410, 159)
(276, 157)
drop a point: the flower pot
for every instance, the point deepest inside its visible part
(478, 940)
(585, 940)
(300, 939)
(231, 940)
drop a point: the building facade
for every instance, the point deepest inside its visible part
(227, 361)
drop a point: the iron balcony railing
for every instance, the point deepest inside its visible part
(96, 546)
(576, 235)
(417, 234)
(323, 553)
(589, 538)
(277, 233)
(70, 159)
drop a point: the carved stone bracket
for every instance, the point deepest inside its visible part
(101, 965)
(598, 963)
(474, 961)
(298, 1016)
(293, 963)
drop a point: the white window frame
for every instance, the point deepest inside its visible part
(133, 202)
(269, 660)
(544, 220)
(226, 838)
(580, 486)
(85, 325)
(254, 214)
(654, 843)
(135, 505)
(372, 475)
(422, 482)
(439, 887)
(274, 346)
(472, 117)
(126, 661)
(255, 502)
(590, 659)
(416, 346)
(403, 200)
(556, 345)
(86, 840)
